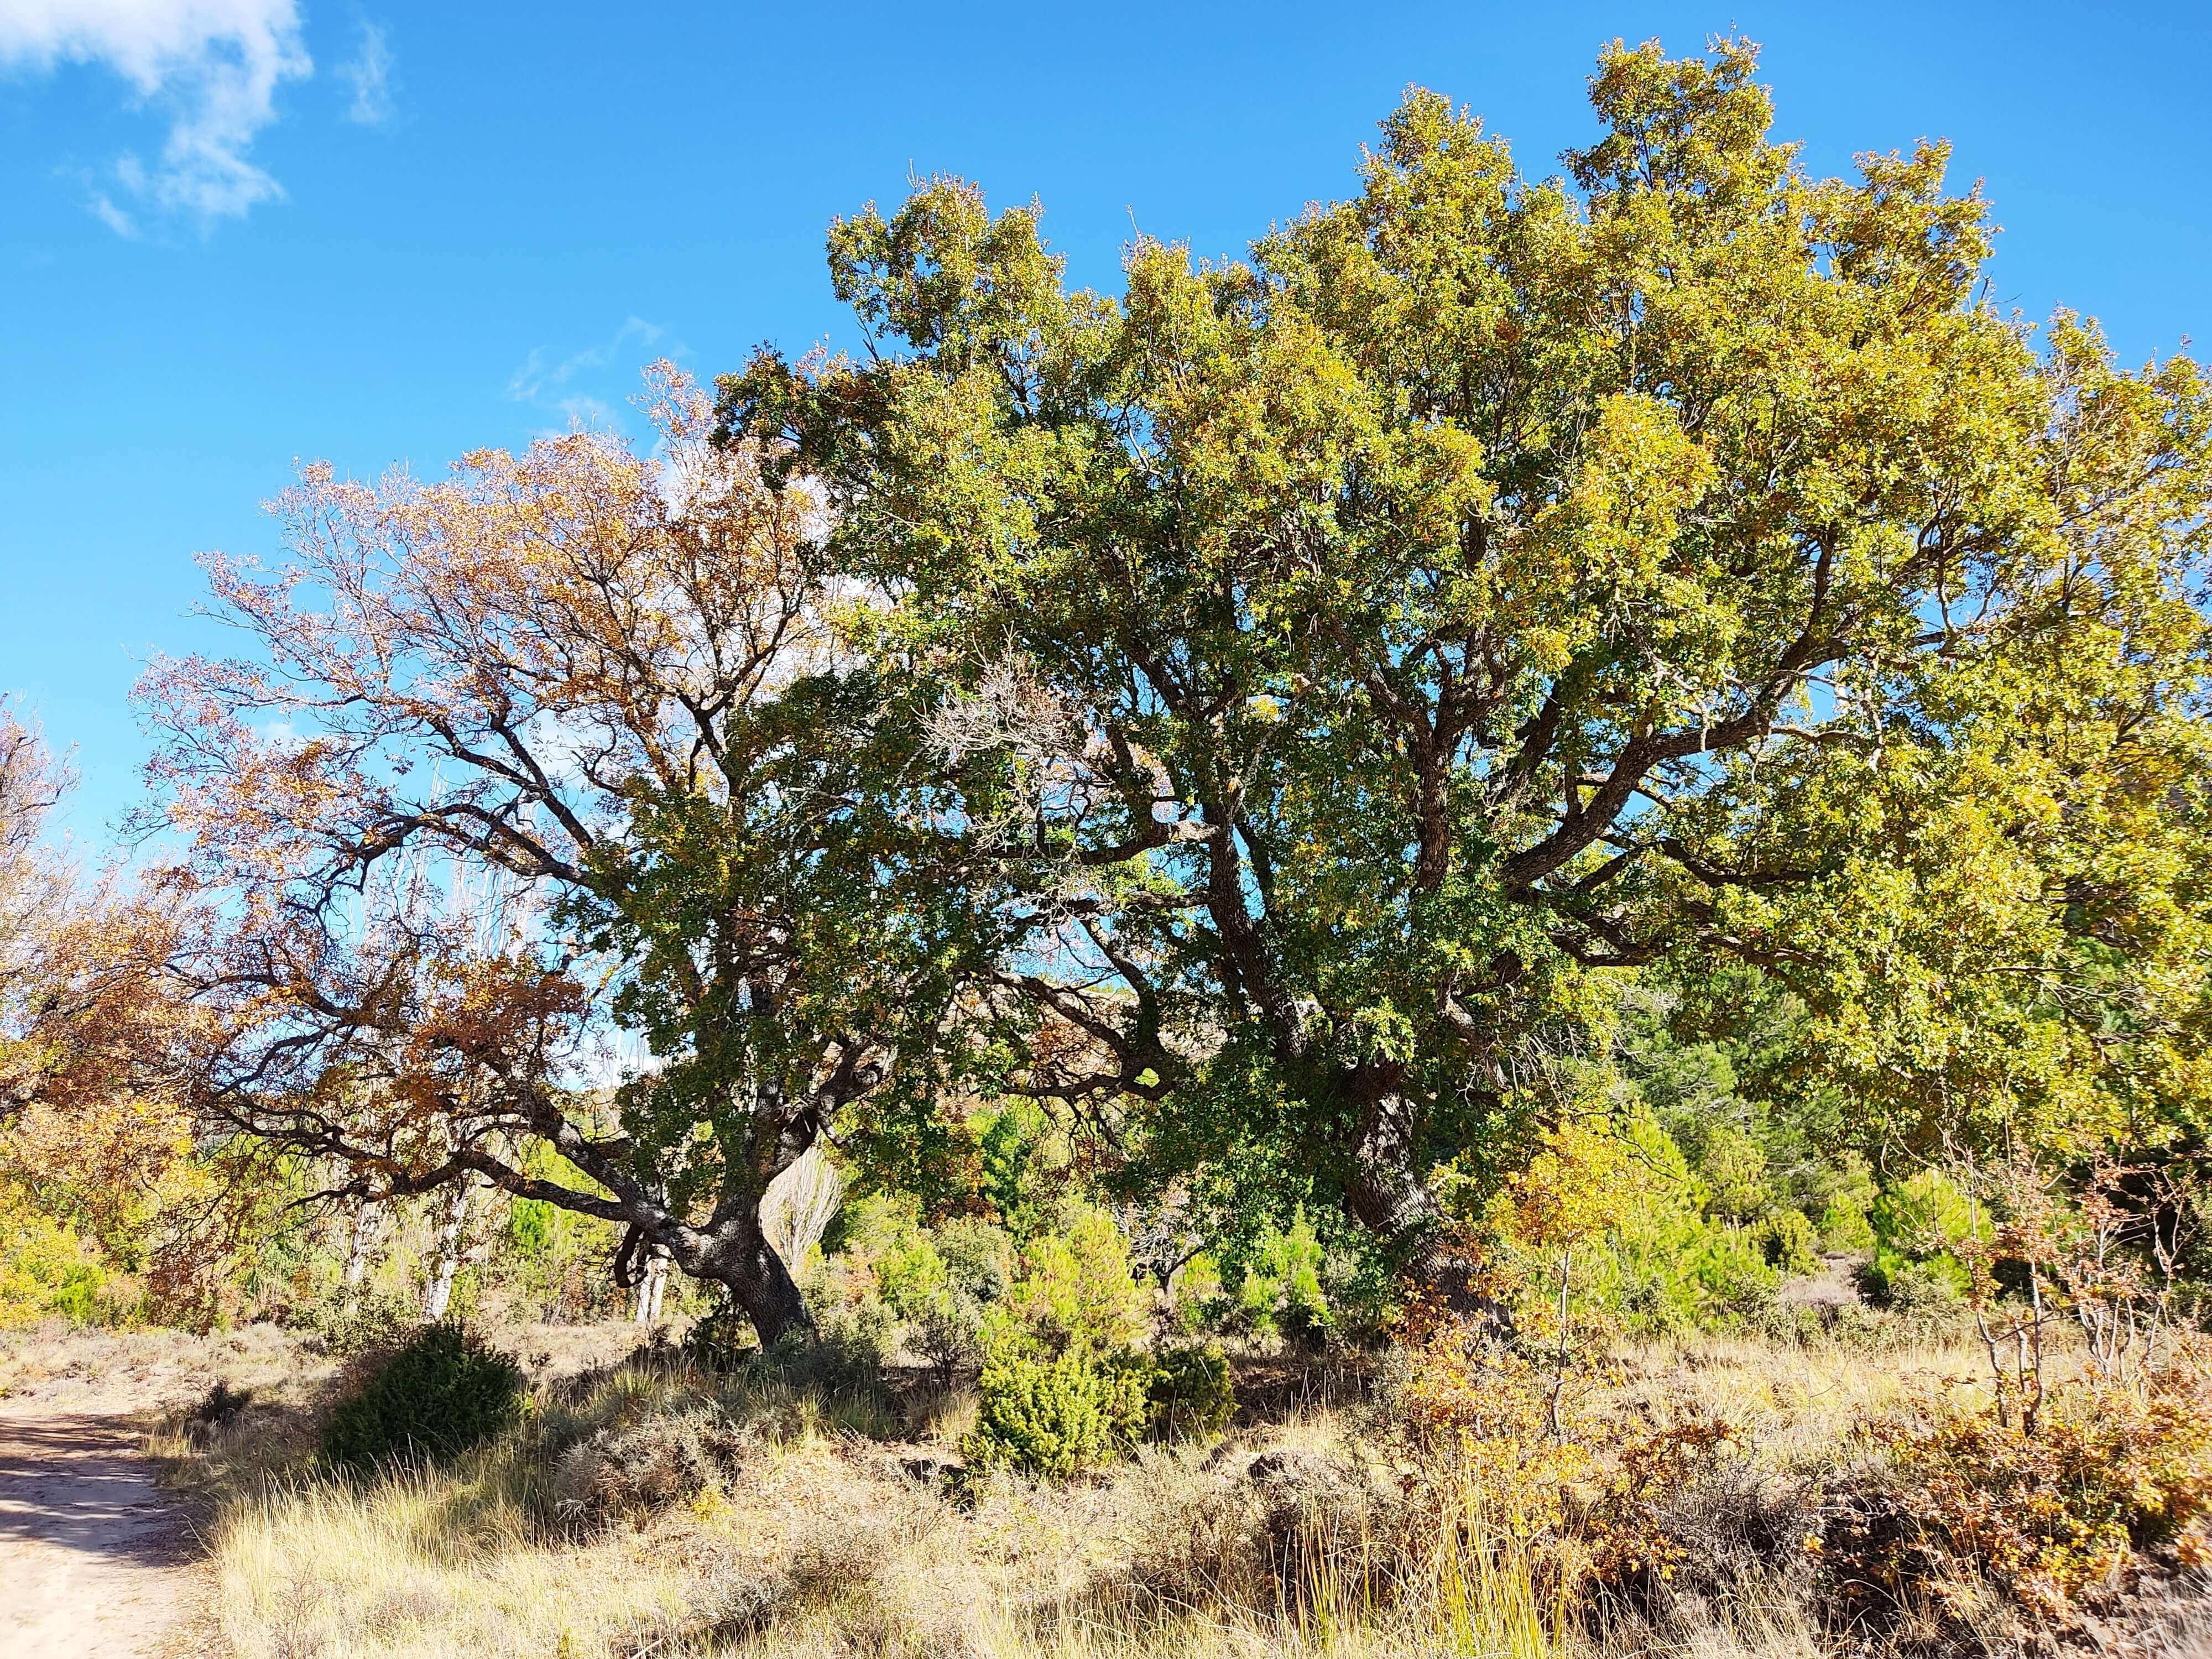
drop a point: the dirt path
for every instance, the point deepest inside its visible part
(91, 1553)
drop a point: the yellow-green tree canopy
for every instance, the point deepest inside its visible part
(1349, 657)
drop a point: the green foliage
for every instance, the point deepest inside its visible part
(979, 1260)
(1845, 1226)
(368, 1320)
(1492, 589)
(1192, 1395)
(1918, 1224)
(438, 1395)
(1787, 1241)
(1058, 1416)
(1663, 1264)
(976, 1260)
(1527, 635)
(1281, 1294)
(550, 1260)
(1926, 1215)
(1611, 1212)
(1010, 1147)
(1732, 1167)
(910, 1275)
(1197, 1294)
(887, 1275)
(1731, 1270)
(1076, 1290)
(1846, 1215)
(47, 1271)
(1064, 1383)
(720, 1340)
(531, 1226)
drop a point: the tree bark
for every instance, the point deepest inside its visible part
(740, 1258)
(650, 1285)
(440, 1293)
(1387, 1197)
(368, 1224)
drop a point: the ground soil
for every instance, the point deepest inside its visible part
(92, 1553)
(96, 1560)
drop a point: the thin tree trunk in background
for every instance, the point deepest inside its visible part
(645, 1307)
(367, 1223)
(448, 1259)
(799, 1206)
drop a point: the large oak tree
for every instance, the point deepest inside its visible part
(1495, 583)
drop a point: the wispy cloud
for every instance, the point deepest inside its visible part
(105, 210)
(215, 65)
(368, 72)
(549, 382)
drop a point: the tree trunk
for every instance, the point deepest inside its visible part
(646, 1305)
(1385, 1197)
(742, 1259)
(367, 1223)
(448, 1260)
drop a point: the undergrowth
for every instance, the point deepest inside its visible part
(1713, 1497)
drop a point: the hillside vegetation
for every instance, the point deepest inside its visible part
(1487, 933)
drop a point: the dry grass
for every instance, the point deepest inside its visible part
(809, 1538)
(652, 1511)
(142, 1369)
(1796, 1404)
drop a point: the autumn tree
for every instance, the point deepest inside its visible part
(547, 804)
(96, 1041)
(1496, 583)
(34, 891)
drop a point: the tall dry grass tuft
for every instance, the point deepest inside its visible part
(424, 1564)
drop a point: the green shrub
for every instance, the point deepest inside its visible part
(1847, 1196)
(1918, 1226)
(949, 1335)
(843, 1358)
(1925, 1213)
(1844, 1225)
(443, 1392)
(1197, 1297)
(979, 1261)
(910, 1275)
(1191, 1393)
(1058, 1417)
(1732, 1167)
(367, 1322)
(1907, 1286)
(1787, 1241)
(1732, 1271)
(46, 1269)
(1646, 1255)
(1077, 1290)
(1282, 1294)
(1015, 1179)
(973, 1263)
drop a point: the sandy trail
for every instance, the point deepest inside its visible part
(91, 1553)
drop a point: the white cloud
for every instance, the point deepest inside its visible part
(105, 210)
(368, 72)
(214, 64)
(544, 383)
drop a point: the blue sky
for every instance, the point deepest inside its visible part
(237, 233)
